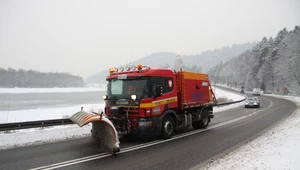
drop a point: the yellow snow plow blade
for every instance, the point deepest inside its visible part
(103, 129)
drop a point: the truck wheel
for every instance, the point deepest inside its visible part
(168, 128)
(203, 123)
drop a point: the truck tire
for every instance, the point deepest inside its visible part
(168, 127)
(203, 123)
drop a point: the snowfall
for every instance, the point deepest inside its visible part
(277, 148)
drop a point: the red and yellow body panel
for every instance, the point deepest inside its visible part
(194, 89)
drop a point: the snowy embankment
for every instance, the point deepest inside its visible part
(230, 96)
(278, 148)
(50, 134)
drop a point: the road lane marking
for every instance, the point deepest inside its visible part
(140, 146)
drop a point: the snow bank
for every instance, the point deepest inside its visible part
(276, 149)
(220, 93)
(12, 139)
(224, 94)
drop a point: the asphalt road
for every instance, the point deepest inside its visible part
(188, 149)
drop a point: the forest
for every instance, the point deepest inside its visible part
(11, 78)
(272, 65)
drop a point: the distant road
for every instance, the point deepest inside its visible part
(228, 129)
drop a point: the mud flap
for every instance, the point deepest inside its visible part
(103, 130)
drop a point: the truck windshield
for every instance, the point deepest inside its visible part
(124, 88)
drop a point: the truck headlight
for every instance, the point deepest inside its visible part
(105, 97)
(133, 97)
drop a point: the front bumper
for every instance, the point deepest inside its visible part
(145, 127)
(148, 127)
(251, 105)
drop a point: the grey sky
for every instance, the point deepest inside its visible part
(85, 37)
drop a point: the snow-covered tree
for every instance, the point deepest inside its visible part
(273, 64)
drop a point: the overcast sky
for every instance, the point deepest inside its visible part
(85, 37)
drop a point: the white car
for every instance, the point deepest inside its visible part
(256, 92)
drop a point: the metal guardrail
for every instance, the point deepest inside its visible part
(228, 103)
(57, 122)
(34, 124)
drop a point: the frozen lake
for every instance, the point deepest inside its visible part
(25, 101)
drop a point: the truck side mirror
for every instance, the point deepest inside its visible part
(157, 90)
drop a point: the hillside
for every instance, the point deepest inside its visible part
(23, 78)
(273, 65)
(203, 61)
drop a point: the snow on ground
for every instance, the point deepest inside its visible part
(278, 148)
(224, 94)
(223, 108)
(27, 137)
(51, 90)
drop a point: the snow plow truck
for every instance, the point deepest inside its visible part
(149, 101)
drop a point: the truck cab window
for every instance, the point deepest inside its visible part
(116, 87)
(165, 82)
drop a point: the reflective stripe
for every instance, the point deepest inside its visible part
(159, 102)
(194, 76)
